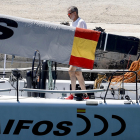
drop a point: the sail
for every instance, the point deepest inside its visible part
(117, 43)
(59, 43)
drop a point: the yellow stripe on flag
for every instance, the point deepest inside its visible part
(84, 48)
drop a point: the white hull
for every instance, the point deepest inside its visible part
(39, 118)
(51, 118)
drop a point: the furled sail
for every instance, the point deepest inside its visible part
(117, 43)
(59, 43)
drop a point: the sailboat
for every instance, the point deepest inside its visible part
(31, 110)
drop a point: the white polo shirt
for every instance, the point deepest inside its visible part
(79, 23)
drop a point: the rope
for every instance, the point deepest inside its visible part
(99, 80)
(129, 77)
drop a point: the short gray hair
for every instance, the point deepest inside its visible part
(73, 9)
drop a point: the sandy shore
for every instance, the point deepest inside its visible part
(115, 16)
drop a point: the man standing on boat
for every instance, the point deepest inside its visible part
(75, 72)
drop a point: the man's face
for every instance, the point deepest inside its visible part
(71, 15)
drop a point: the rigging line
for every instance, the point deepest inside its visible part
(100, 53)
(106, 58)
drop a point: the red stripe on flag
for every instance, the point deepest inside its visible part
(87, 34)
(81, 62)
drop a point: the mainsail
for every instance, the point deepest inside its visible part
(59, 43)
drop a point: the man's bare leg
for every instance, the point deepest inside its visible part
(72, 77)
(81, 81)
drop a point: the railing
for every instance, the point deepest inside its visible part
(5, 90)
(62, 91)
(70, 91)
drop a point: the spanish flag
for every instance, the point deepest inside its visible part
(84, 47)
(81, 110)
